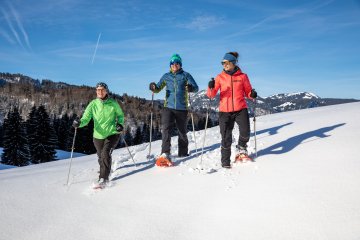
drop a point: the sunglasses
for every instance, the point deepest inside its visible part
(225, 63)
(175, 62)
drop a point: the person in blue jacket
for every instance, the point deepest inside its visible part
(178, 84)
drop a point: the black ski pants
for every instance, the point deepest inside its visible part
(104, 148)
(226, 122)
(169, 118)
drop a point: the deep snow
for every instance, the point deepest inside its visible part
(60, 154)
(304, 185)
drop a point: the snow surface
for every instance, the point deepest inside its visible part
(4, 166)
(60, 154)
(304, 185)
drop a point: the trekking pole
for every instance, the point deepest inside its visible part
(206, 123)
(151, 123)
(71, 156)
(127, 147)
(254, 120)
(192, 120)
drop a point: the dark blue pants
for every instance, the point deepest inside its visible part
(169, 118)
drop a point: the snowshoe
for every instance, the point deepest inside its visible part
(243, 157)
(163, 161)
(101, 184)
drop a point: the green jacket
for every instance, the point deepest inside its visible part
(105, 113)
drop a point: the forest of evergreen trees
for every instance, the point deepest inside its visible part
(35, 140)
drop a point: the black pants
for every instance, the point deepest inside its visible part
(169, 118)
(226, 122)
(104, 148)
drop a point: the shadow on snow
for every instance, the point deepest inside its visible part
(139, 168)
(278, 148)
(271, 131)
(291, 143)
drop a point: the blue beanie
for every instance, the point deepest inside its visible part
(229, 57)
(175, 58)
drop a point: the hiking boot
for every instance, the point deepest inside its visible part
(226, 165)
(242, 150)
(183, 155)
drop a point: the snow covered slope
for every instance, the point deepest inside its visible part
(304, 185)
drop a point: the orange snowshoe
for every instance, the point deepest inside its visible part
(163, 161)
(242, 157)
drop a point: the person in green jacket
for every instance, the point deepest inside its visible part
(108, 123)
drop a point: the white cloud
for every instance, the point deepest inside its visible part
(203, 23)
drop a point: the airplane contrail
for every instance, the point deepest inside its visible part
(10, 25)
(97, 44)
(20, 26)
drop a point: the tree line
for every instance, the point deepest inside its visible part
(36, 139)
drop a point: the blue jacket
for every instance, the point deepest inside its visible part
(176, 95)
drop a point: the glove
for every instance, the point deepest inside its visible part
(253, 93)
(211, 83)
(152, 86)
(76, 123)
(190, 88)
(119, 127)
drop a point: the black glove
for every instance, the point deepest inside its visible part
(119, 127)
(212, 83)
(190, 88)
(152, 86)
(76, 123)
(253, 93)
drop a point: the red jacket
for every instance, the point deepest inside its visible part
(233, 90)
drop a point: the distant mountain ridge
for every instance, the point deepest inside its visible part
(62, 98)
(281, 102)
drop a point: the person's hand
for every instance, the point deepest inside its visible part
(190, 88)
(119, 127)
(76, 123)
(211, 83)
(253, 93)
(152, 86)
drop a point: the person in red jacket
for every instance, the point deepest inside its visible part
(234, 86)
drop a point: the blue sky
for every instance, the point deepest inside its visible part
(284, 46)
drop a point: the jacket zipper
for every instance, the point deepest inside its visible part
(175, 87)
(232, 93)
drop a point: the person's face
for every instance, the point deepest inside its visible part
(228, 66)
(101, 92)
(175, 67)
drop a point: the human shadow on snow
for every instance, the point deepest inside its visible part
(271, 131)
(278, 148)
(199, 152)
(291, 143)
(139, 168)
